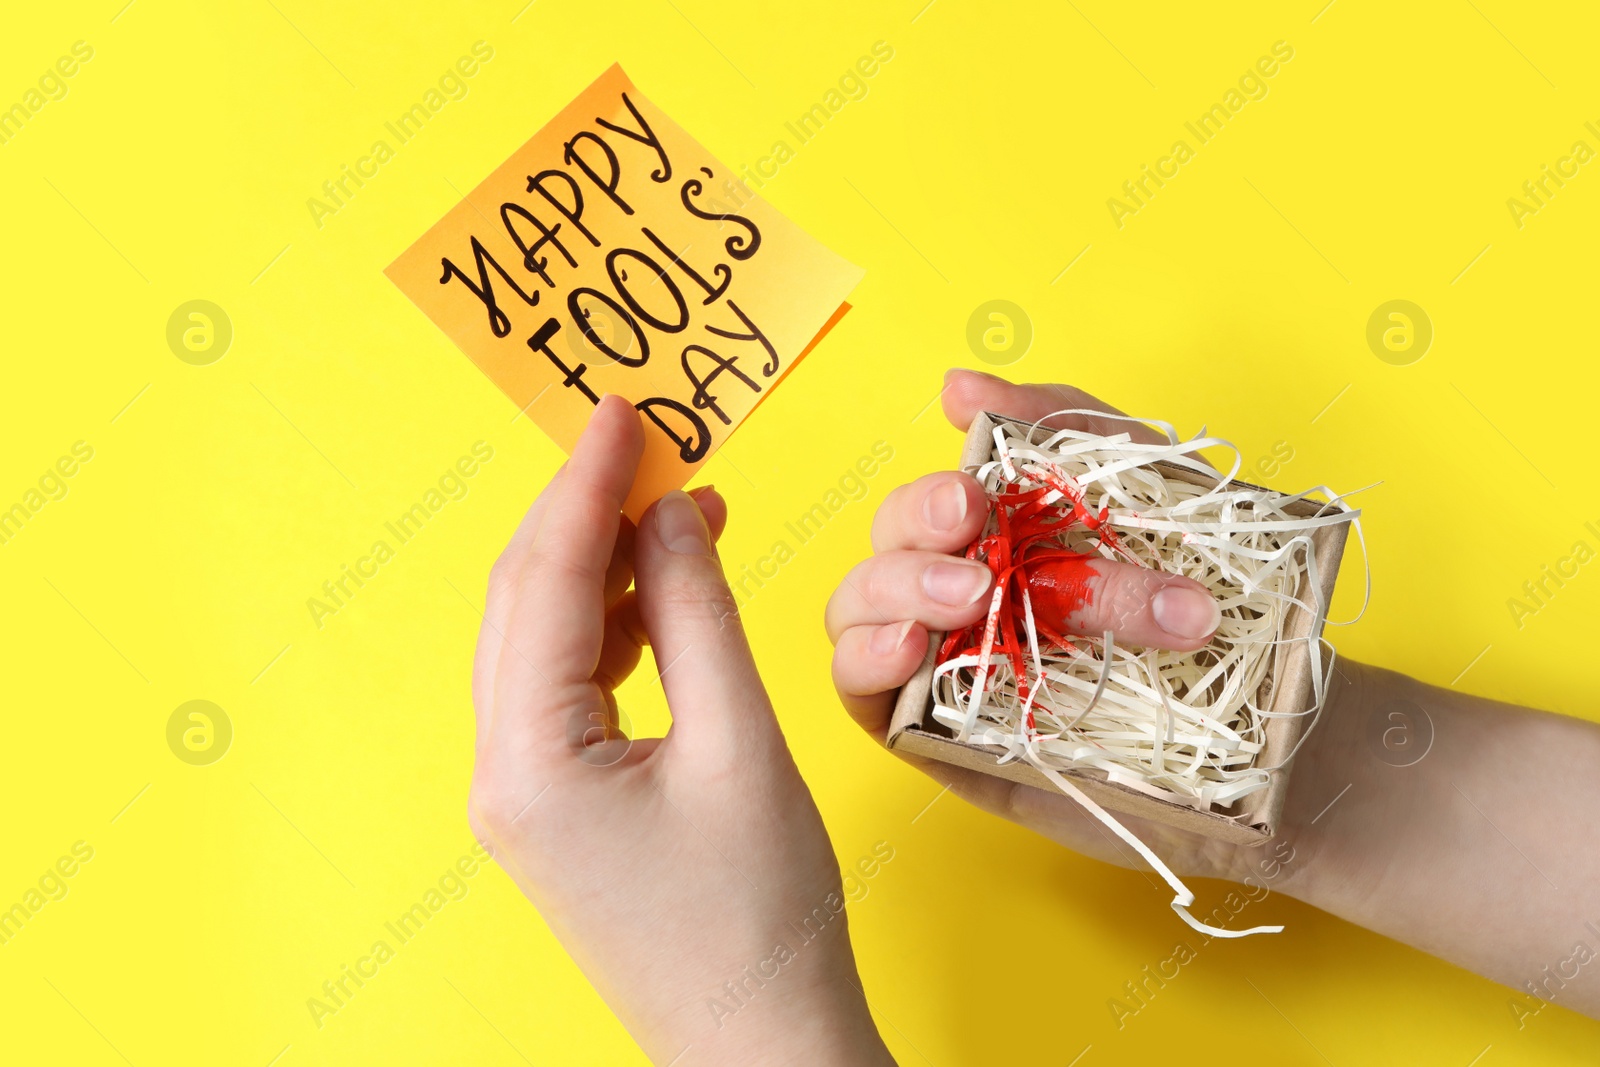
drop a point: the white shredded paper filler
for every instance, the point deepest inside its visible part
(1186, 727)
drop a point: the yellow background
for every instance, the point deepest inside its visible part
(977, 167)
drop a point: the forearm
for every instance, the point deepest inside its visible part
(1481, 852)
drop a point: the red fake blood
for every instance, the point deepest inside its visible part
(1059, 588)
(1026, 552)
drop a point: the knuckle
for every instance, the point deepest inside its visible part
(849, 658)
(489, 805)
(548, 569)
(480, 832)
(832, 610)
(886, 520)
(877, 586)
(1128, 597)
(892, 501)
(847, 594)
(858, 576)
(1068, 394)
(684, 596)
(966, 391)
(497, 803)
(503, 577)
(876, 578)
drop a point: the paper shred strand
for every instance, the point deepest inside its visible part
(1184, 727)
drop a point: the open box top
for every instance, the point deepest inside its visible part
(913, 730)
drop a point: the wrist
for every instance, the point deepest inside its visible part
(1332, 770)
(1320, 771)
(830, 1025)
(810, 1010)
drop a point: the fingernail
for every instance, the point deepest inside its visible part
(1186, 613)
(680, 525)
(975, 373)
(889, 639)
(956, 584)
(945, 507)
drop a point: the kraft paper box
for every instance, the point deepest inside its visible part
(1287, 690)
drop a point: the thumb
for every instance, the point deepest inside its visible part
(968, 392)
(706, 670)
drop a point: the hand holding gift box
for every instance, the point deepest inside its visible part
(1150, 640)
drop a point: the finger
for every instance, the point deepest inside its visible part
(619, 571)
(966, 393)
(870, 663)
(1141, 607)
(940, 512)
(497, 606)
(624, 641)
(522, 536)
(503, 580)
(619, 654)
(939, 591)
(707, 672)
(497, 611)
(557, 619)
(619, 575)
(713, 507)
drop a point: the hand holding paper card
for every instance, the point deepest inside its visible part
(613, 254)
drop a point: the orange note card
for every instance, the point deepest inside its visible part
(613, 254)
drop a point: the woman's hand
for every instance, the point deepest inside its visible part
(1473, 838)
(880, 617)
(689, 876)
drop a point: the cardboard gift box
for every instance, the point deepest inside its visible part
(1286, 691)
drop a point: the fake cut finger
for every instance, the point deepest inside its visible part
(1141, 607)
(873, 657)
